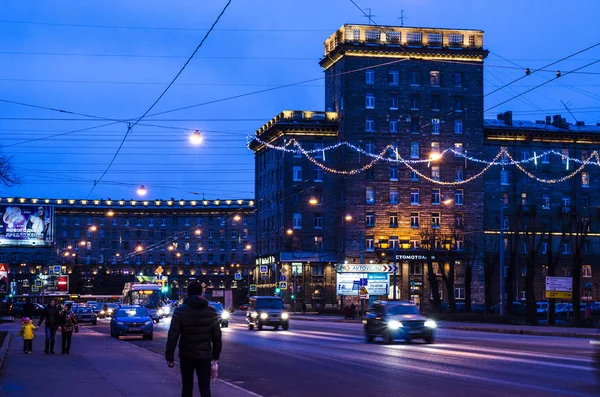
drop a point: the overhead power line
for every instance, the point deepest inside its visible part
(100, 55)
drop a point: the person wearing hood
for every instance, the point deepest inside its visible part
(69, 324)
(52, 317)
(195, 326)
(26, 332)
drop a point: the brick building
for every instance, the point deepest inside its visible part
(419, 90)
(546, 223)
(103, 243)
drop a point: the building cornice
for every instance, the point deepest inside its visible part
(153, 204)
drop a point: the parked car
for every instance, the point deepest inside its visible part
(132, 320)
(86, 315)
(397, 320)
(17, 309)
(223, 314)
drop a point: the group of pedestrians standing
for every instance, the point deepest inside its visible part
(56, 319)
(350, 312)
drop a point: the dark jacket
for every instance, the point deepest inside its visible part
(52, 317)
(196, 326)
(28, 309)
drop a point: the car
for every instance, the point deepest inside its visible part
(86, 315)
(393, 320)
(266, 310)
(91, 304)
(223, 314)
(132, 320)
(108, 311)
(17, 309)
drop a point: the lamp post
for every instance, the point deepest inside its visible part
(501, 257)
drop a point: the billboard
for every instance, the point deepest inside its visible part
(349, 283)
(30, 225)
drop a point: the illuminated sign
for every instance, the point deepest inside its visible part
(30, 225)
(266, 260)
(63, 283)
(3, 278)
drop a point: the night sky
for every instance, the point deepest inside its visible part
(112, 59)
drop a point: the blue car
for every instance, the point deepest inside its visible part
(131, 321)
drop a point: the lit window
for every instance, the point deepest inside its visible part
(435, 126)
(586, 271)
(458, 149)
(318, 243)
(458, 197)
(565, 155)
(434, 78)
(370, 195)
(370, 77)
(435, 172)
(414, 196)
(370, 101)
(585, 179)
(297, 173)
(435, 148)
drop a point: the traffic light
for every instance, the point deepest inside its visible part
(292, 296)
(277, 290)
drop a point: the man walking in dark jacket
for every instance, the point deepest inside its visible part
(195, 325)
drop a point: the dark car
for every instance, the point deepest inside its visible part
(266, 310)
(132, 320)
(397, 320)
(86, 315)
(17, 309)
(107, 311)
(223, 314)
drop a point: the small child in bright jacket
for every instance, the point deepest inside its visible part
(27, 333)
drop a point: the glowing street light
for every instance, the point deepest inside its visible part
(110, 213)
(198, 232)
(93, 228)
(313, 201)
(170, 248)
(82, 243)
(237, 218)
(248, 247)
(142, 191)
(348, 218)
(290, 232)
(139, 248)
(196, 138)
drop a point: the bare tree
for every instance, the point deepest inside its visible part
(472, 252)
(430, 237)
(450, 243)
(490, 264)
(532, 242)
(8, 176)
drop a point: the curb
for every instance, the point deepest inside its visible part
(524, 332)
(4, 348)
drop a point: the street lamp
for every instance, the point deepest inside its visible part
(313, 201)
(142, 191)
(93, 228)
(348, 218)
(196, 139)
(289, 232)
(110, 213)
(237, 218)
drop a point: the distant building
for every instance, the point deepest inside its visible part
(103, 243)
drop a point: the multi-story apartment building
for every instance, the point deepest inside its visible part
(103, 243)
(551, 211)
(396, 92)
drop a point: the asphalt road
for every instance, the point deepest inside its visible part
(332, 359)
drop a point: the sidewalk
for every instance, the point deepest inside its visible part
(98, 366)
(481, 327)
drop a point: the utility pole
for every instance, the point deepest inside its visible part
(369, 16)
(395, 270)
(402, 18)
(502, 256)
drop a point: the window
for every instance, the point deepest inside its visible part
(459, 293)
(546, 201)
(459, 220)
(370, 77)
(546, 158)
(435, 219)
(297, 173)
(318, 174)
(415, 77)
(456, 40)
(435, 103)
(318, 221)
(393, 37)
(394, 126)
(394, 195)
(370, 125)
(394, 219)
(394, 77)
(414, 196)
(585, 200)
(544, 247)
(434, 78)
(394, 102)
(458, 79)
(319, 154)
(297, 221)
(415, 126)
(394, 242)
(504, 177)
(458, 197)
(435, 172)
(415, 102)
(435, 196)
(586, 271)
(393, 172)
(77, 222)
(370, 195)
(458, 104)
(318, 243)
(523, 199)
(566, 204)
(458, 126)
(458, 174)
(198, 222)
(115, 222)
(458, 149)
(566, 248)
(89, 221)
(414, 150)
(370, 243)
(76, 233)
(370, 147)
(414, 219)
(370, 101)
(414, 176)
(370, 219)
(435, 126)
(524, 155)
(564, 155)
(435, 148)
(139, 222)
(585, 179)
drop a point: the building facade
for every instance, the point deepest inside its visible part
(391, 92)
(101, 244)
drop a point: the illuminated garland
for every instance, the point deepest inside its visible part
(383, 156)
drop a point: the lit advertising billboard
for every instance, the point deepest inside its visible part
(29, 225)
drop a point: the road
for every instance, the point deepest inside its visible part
(332, 359)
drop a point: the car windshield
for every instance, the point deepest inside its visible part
(403, 309)
(218, 307)
(112, 306)
(269, 304)
(132, 312)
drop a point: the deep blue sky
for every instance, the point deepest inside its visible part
(118, 72)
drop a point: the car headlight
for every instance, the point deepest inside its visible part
(285, 316)
(430, 324)
(120, 323)
(264, 316)
(148, 322)
(225, 315)
(394, 324)
(110, 311)
(159, 312)
(254, 315)
(102, 312)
